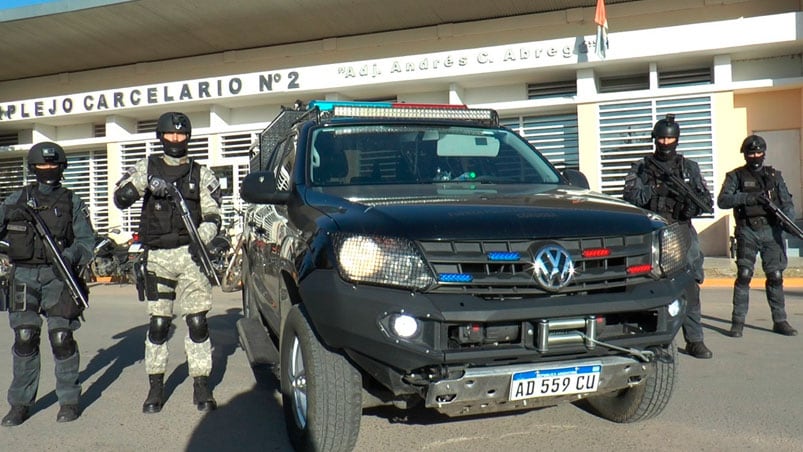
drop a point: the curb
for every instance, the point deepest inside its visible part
(755, 283)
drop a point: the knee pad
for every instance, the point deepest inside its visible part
(744, 275)
(26, 340)
(199, 329)
(62, 343)
(775, 278)
(159, 329)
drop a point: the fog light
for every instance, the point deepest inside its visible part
(404, 326)
(674, 308)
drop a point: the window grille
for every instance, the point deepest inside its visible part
(9, 139)
(700, 76)
(621, 83)
(87, 175)
(555, 136)
(236, 145)
(566, 88)
(99, 130)
(12, 175)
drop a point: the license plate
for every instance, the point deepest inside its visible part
(135, 248)
(553, 382)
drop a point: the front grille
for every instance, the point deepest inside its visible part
(512, 277)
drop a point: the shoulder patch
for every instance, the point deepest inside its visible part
(214, 185)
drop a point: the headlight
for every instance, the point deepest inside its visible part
(670, 249)
(381, 260)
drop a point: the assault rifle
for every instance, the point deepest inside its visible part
(676, 185)
(52, 250)
(786, 222)
(203, 255)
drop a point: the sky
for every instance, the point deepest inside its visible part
(10, 4)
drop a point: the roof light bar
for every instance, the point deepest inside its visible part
(387, 110)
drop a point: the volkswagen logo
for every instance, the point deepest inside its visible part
(553, 268)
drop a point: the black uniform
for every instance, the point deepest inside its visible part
(645, 187)
(757, 231)
(36, 291)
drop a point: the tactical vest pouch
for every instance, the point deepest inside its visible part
(67, 307)
(18, 297)
(20, 238)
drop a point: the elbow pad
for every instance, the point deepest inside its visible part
(125, 196)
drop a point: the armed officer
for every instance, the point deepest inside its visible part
(748, 190)
(170, 274)
(36, 290)
(647, 186)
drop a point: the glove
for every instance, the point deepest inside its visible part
(158, 187)
(19, 214)
(195, 254)
(689, 210)
(764, 199)
(69, 258)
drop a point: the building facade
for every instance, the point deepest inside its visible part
(726, 69)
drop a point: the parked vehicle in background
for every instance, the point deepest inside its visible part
(115, 260)
(425, 255)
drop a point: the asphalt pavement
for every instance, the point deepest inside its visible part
(746, 398)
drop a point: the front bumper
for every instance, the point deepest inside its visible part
(545, 329)
(486, 390)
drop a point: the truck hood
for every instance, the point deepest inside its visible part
(539, 212)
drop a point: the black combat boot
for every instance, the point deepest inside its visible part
(202, 395)
(16, 416)
(698, 350)
(68, 413)
(736, 329)
(156, 395)
(784, 328)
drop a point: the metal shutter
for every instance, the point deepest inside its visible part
(555, 136)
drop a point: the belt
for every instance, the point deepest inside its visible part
(754, 222)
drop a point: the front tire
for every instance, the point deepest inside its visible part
(321, 390)
(644, 401)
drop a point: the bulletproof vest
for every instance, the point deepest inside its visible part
(756, 182)
(160, 216)
(55, 208)
(665, 205)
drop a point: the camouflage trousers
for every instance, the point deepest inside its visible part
(191, 294)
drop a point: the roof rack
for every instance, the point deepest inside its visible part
(395, 110)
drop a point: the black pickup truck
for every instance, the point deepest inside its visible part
(424, 255)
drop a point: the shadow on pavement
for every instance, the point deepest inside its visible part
(251, 421)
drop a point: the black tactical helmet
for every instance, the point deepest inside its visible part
(177, 123)
(754, 143)
(666, 127)
(47, 152)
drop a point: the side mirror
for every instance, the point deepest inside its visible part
(576, 178)
(260, 188)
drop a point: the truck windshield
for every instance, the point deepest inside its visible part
(416, 154)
